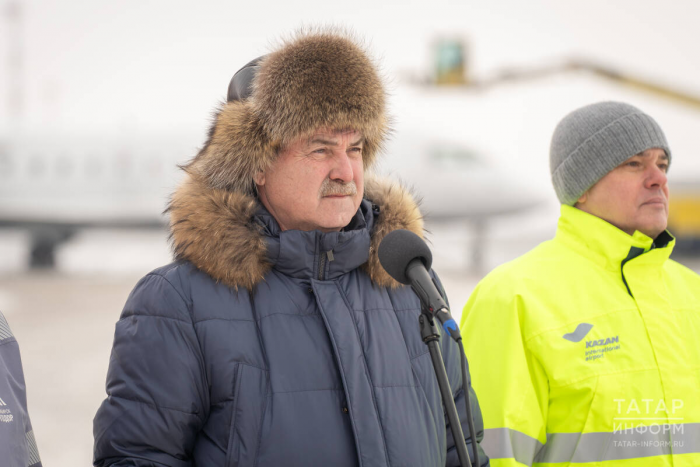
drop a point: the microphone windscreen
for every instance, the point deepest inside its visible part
(399, 248)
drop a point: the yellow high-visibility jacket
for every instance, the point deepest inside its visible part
(586, 351)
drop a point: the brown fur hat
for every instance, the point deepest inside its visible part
(314, 80)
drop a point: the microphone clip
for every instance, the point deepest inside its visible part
(428, 330)
(449, 325)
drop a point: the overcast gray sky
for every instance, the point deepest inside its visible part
(139, 64)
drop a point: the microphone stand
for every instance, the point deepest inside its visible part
(431, 336)
(407, 258)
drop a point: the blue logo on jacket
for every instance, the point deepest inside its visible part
(581, 331)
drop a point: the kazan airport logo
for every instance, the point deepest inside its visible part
(595, 348)
(608, 341)
(581, 331)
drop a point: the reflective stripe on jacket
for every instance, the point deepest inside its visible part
(586, 351)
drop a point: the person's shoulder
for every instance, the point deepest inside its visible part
(186, 289)
(536, 263)
(681, 270)
(182, 276)
(176, 274)
(683, 277)
(519, 285)
(179, 272)
(165, 291)
(515, 292)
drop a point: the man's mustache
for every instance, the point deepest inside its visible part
(334, 188)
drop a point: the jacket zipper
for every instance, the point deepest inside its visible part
(322, 263)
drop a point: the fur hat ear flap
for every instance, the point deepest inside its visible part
(237, 147)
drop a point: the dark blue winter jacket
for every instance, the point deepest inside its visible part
(305, 354)
(17, 443)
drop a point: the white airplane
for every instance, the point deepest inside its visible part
(56, 186)
(455, 182)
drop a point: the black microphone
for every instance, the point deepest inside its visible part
(406, 257)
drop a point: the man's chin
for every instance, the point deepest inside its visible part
(653, 229)
(336, 222)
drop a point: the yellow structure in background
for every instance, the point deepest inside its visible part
(451, 69)
(450, 62)
(684, 214)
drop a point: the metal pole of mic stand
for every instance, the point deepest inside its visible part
(430, 335)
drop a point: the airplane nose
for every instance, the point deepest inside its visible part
(468, 193)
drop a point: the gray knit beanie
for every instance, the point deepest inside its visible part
(591, 141)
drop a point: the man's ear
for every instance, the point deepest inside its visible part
(259, 178)
(583, 198)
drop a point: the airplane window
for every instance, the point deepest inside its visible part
(455, 157)
(93, 165)
(154, 166)
(122, 164)
(6, 165)
(37, 165)
(64, 166)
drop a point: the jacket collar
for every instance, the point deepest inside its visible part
(607, 245)
(316, 254)
(230, 236)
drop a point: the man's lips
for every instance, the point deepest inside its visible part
(655, 201)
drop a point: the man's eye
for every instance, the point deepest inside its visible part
(633, 164)
(664, 167)
(320, 151)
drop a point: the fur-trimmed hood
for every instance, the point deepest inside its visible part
(224, 234)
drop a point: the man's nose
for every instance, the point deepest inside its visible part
(657, 177)
(342, 168)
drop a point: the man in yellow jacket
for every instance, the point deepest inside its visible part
(586, 350)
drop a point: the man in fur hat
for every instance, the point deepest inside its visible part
(276, 338)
